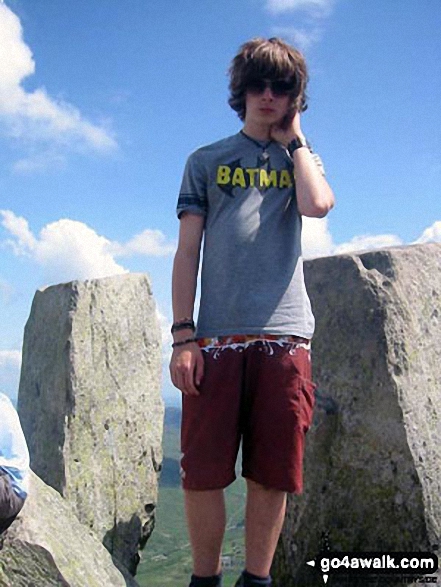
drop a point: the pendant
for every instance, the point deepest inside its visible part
(263, 159)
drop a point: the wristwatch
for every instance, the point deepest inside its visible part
(296, 144)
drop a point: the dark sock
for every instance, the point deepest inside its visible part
(213, 581)
(250, 580)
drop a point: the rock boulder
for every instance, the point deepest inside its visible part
(48, 546)
(373, 453)
(90, 404)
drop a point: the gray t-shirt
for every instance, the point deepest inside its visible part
(252, 268)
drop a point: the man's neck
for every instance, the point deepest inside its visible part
(257, 131)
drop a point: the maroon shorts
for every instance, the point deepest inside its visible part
(261, 394)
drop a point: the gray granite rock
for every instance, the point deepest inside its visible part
(373, 454)
(90, 404)
(47, 546)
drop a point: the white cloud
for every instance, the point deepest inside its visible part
(368, 243)
(10, 363)
(316, 238)
(431, 234)
(36, 116)
(314, 7)
(303, 38)
(10, 359)
(19, 228)
(308, 28)
(68, 249)
(149, 242)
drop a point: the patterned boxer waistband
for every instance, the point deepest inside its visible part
(246, 339)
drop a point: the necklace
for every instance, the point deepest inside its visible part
(264, 156)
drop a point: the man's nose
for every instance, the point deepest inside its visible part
(268, 93)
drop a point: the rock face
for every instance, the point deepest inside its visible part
(373, 455)
(48, 546)
(90, 404)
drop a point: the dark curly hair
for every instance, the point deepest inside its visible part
(267, 59)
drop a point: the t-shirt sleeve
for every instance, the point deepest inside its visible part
(193, 192)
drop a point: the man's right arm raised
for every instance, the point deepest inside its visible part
(187, 363)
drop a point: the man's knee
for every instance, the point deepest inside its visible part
(265, 489)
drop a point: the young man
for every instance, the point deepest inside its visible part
(14, 464)
(245, 374)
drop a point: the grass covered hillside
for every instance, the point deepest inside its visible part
(166, 560)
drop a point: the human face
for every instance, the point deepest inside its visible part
(266, 103)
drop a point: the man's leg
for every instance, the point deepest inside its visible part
(279, 401)
(206, 519)
(210, 438)
(265, 513)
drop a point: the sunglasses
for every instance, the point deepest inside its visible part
(278, 87)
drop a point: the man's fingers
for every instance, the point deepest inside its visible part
(178, 379)
(179, 382)
(183, 380)
(186, 371)
(189, 382)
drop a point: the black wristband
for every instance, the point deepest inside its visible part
(183, 326)
(182, 342)
(297, 143)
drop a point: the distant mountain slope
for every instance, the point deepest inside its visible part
(172, 418)
(171, 447)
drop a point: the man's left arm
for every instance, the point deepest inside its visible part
(314, 195)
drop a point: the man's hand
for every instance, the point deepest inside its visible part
(313, 193)
(187, 368)
(287, 129)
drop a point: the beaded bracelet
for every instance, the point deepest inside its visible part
(182, 326)
(182, 342)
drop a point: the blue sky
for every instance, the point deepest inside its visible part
(101, 102)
